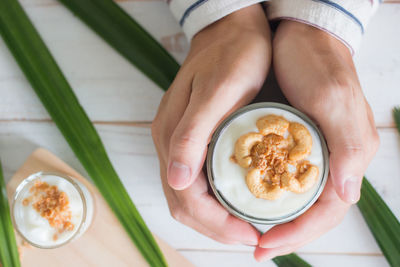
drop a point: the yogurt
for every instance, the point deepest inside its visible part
(228, 178)
(37, 229)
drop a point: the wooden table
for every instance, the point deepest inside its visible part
(122, 102)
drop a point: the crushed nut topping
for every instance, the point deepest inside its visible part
(271, 156)
(52, 204)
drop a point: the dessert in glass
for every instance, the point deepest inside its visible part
(51, 209)
(267, 163)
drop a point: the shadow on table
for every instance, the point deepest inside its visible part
(15, 149)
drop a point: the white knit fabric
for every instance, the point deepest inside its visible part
(203, 13)
(344, 19)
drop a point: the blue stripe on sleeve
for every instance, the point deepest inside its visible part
(190, 9)
(342, 9)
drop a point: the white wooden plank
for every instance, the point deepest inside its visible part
(223, 258)
(378, 63)
(101, 89)
(100, 77)
(52, 2)
(133, 155)
(86, 61)
(384, 170)
(235, 259)
(29, 3)
(345, 260)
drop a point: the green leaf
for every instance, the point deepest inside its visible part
(57, 96)
(290, 260)
(123, 33)
(8, 247)
(396, 116)
(381, 221)
(135, 44)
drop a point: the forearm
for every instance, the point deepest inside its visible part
(346, 20)
(245, 23)
(195, 15)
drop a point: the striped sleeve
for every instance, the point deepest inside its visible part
(194, 15)
(344, 19)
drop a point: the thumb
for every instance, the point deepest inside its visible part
(188, 144)
(347, 160)
(347, 173)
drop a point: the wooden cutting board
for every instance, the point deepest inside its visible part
(105, 243)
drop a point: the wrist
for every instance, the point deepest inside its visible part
(250, 20)
(304, 34)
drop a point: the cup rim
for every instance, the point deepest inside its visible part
(230, 207)
(36, 176)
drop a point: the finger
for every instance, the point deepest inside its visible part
(326, 213)
(182, 204)
(230, 240)
(190, 139)
(170, 112)
(348, 155)
(173, 204)
(263, 254)
(347, 172)
(198, 207)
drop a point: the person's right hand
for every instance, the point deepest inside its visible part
(317, 75)
(226, 67)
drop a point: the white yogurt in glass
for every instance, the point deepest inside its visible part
(36, 229)
(228, 178)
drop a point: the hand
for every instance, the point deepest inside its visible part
(226, 67)
(317, 75)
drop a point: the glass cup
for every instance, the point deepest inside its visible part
(263, 223)
(35, 229)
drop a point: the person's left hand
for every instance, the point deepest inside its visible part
(316, 73)
(225, 69)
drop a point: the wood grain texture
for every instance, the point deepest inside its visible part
(86, 61)
(133, 155)
(378, 64)
(105, 243)
(226, 258)
(54, 2)
(122, 102)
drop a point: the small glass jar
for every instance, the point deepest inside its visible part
(238, 123)
(35, 229)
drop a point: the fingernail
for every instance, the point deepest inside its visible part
(262, 259)
(267, 245)
(261, 254)
(352, 189)
(178, 175)
(251, 242)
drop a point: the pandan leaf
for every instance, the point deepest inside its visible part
(396, 116)
(381, 221)
(124, 34)
(8, 247)
(61, 103)
(290, 260)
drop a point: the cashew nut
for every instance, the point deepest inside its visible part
(271, 157)
(261, 188)
(243, 148)
(272, 124)
(303, 142)
(300, 183)
(288, 142)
